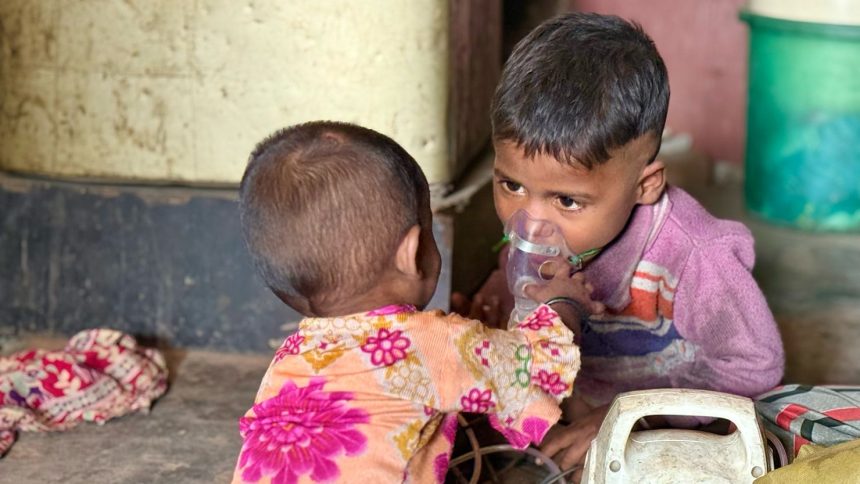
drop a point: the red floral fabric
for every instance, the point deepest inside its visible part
(99, 375)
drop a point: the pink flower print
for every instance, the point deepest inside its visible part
(482, 350)
(551, 382)
(449, 427)
(477, 401)
(300, 431)
(291, 346)
(514, 437)
(542, 318)
(533, 431)
(387, 347)
(535, 428)
(392, 309)
(440, 467)
(553, 349)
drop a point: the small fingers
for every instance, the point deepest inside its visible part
(558, 438)
(492, 316)
(563, 270)
(552, 268)
(573, 455)
(531, 291)
(476, 311)
(460, 303)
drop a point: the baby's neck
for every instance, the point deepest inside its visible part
(362, 304)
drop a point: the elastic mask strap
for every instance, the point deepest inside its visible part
(502, 243)
(577, 260)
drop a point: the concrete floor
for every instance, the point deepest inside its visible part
(190, 436)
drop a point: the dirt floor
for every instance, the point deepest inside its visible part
(190, 436)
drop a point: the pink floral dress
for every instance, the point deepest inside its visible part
(374, 396)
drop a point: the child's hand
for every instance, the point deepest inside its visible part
(487, 311)
(567, 445)
(573, 287)
(492, 304)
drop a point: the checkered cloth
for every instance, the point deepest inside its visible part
(802, 414)
(101, 374)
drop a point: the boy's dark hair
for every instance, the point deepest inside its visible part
(323, 207)
(579, 86)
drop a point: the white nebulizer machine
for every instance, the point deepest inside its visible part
(537, 247)
(622, 454)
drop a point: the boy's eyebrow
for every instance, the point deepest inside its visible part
(576, 196)
(500, 173)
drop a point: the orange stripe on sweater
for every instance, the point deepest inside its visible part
(647, 305)
(656, 278)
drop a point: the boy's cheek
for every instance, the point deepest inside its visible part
(592, 232)
(504, 208)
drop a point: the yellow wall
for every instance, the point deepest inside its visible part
(175, 90)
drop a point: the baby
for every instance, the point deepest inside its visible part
(337, 218)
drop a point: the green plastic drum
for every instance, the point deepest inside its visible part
(803, 124)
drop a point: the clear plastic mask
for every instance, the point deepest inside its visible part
(537, 251)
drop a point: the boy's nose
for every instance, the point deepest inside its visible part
(536, 210)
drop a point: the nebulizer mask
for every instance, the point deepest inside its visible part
(537, 249)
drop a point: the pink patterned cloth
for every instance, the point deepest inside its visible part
(101, 374)
(373, 397)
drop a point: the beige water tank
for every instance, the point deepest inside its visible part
(178, 91)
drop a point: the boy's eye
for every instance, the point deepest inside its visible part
(513, 187)
(568, 203)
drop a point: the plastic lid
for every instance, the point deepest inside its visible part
(839, 12)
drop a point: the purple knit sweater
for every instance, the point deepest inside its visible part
(683, 308)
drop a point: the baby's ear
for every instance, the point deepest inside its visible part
(406, 259)
(652, 183)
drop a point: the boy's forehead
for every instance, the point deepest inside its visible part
(630, 157)
(512, 160)
(546, 174)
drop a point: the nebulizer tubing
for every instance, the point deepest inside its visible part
(480, 452)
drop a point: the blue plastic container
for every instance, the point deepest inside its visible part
(803, 130)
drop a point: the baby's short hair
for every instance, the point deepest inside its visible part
(324, 206)
(579, 86)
